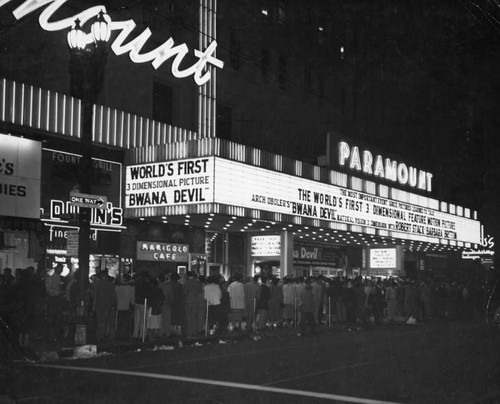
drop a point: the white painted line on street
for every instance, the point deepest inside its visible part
(258, 388)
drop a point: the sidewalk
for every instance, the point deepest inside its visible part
(44, 350)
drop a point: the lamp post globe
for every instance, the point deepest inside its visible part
(100, 29)
(77, 39)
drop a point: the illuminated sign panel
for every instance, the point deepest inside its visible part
(123, 43)
(20, 179)
(216, 180)
(170, 183)
(383, 168)
(256, 188)
(485, 252)
(383, 258)
(60, 175)
(317, 254)
(155, 251)
(266, 246)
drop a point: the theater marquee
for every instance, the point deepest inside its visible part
(169, 183)
(216, 180)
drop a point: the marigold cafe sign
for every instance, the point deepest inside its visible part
(123, 44)
(20, 168)
(156, 251)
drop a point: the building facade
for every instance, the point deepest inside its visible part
(218, 144)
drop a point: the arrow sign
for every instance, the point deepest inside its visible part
(88, 201)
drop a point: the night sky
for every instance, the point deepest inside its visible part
(437, 66)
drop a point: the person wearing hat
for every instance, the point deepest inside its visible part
(306, 307)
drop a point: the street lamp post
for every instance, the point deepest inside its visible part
(86, 68)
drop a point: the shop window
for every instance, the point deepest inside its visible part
(163, 103)
(224, 122)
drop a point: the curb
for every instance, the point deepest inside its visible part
(119, 347)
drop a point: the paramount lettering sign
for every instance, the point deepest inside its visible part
(123, 43)
(388, 169)
(169, 183)
(156, 251)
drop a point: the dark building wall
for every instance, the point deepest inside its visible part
(34, 56)
(415, 91)
(278, 80)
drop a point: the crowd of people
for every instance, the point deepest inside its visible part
(144, 307)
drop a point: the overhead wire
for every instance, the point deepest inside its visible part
(490, 18)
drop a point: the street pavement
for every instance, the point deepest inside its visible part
(439, 362)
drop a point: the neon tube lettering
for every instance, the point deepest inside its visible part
(156, 56)
(391, 170)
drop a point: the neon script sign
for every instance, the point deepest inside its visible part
(134, 46)
(389, 169)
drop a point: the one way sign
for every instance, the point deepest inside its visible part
(88, 201)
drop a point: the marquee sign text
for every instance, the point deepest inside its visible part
(383, 258)
(169, 183)
(221, 181)
(238, 184)
(266, 246)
